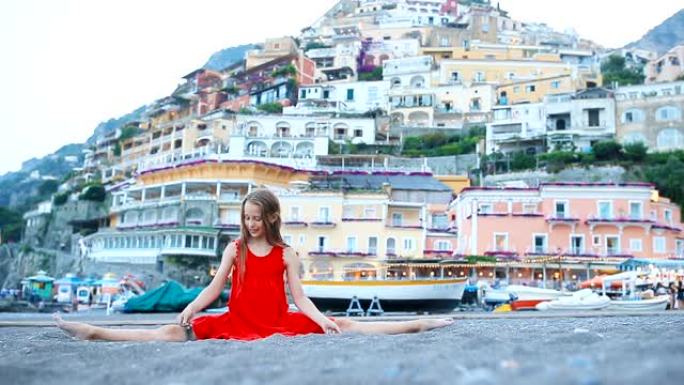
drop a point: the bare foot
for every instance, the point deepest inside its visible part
(429, 324)
(76, 330)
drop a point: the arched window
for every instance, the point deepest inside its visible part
(634, 137)
(633, 115)
(391, 248)
(668, 113)
(395, 82)
(670, 138)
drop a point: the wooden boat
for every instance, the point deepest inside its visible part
(430, 295)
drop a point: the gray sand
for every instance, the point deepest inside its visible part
(565, 350)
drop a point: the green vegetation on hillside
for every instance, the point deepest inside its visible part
(664, 169)
(615, 70)
(441, 144)
(11, 225)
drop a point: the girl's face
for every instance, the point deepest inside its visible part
(254, 222)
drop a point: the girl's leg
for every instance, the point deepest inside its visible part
(83, 331)
(391, 327)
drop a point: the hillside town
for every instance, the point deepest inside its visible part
(325, 120)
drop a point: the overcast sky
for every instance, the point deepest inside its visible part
(71, 64)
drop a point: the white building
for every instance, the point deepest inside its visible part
(352, 97)
(519, 127)
(579, 120)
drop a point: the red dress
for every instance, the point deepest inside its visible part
(258, 306)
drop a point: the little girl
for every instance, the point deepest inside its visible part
(258, 305)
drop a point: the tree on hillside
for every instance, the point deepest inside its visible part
(669, 178)
(11, 223)
(615, 70)
(607, 150)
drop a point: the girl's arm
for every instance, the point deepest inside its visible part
(303, 302)
(211, 292)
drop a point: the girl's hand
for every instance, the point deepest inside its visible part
(185, 316)
(329, 327)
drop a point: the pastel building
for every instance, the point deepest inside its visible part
(189, 209)
(667, 68)
(356, 221)
(652, 114)
(584, 220)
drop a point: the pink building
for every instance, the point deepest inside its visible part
(586, 220)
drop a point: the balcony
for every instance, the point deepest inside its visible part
(562, 220)
(361, 219)
(619, 222)
(396, 225)
(341, 253)
(323, 224)
(438, 253)
(294, 223)
(503, 255)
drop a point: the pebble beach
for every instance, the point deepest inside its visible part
(477, 349)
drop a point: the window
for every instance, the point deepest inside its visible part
(500, 241)
(529, 208)
(397, 219)
(635, 210)
(358, 133)
(658, 244)
(409, 244)
(577, 244)
(680, 248)
(372, 245)
(301, 239)
(326, 94)
(669, 138)
(596, 240)
(302, 94)
(287, 239)
(635, 245)
(324, 214)
(443, 245)
(391, 246)
(440, 221)
(561, 209)
(632, 116)
(455, 77)
(540, 243)
(485, 208)
(668, 216)
(605, 209)
(322, 243)
(668, 113)
(369, 212)
(351, 244)
(479, 77)
(294, 213)
(516, 89)
(593, 117)
(530, 88)
(612, 244)
(350, 94)
(555, 84)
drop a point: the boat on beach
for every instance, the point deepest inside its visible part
(584, 299)
(520, 297)
(418, 295)
(630, 300)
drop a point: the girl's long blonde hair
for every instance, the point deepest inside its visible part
(270, 215)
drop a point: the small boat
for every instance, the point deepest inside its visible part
(434, 295)
(630, 300)
(520, 297)
(654, 304)
(584, 299)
